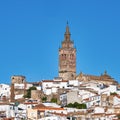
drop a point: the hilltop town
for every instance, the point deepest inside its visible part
(69, 96)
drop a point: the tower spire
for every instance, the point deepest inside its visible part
(67, 22)
(67, 33)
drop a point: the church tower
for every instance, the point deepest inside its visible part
(67, 57)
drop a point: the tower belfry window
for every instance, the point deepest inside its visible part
(64, 56)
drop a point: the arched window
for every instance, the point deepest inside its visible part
(63, 56)
(72, 56)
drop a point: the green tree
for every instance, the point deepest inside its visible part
(113, 93)
(70, 105)
(84, 106)
(54, 100)
(44, 99)
(28, 94)
(118, 116)
(77, 105)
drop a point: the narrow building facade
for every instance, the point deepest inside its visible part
(18, 87)
(67, 57)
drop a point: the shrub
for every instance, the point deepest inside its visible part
(77, 105)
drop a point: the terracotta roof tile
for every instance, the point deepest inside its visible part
(55, 81)
(43, 107)
(59, 114)
(47, 80)
(30, 103)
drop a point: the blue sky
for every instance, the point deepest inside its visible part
(31, 32)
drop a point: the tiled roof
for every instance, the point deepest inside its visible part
(104, 77)
(39, 106)
(47, 80)
(97, 114)
(27, 103)
(59, 114)
(43, 107)
(77, 113)
(8, 119)
(55, 81)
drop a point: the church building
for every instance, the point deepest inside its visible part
(67, 64)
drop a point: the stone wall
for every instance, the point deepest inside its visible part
(17, 79)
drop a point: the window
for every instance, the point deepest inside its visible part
(22, 81)
(72, 56)
(63, 56)
(28, 106)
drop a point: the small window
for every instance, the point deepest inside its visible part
(11, 108)
(22, 81)
(28, 106)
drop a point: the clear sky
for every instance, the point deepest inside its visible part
(31, 32)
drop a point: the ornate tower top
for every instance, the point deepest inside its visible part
(67, 33)
(67, 43)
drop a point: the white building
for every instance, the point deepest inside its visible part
(7, 110)
(99, 110)
(4, 90)
(51, 86)
(116, 100)
(54, 117)
(108, 90)
(73, 83)
(63, 99)
(92, 101)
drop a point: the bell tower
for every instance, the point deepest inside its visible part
(67, 57)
